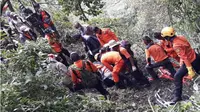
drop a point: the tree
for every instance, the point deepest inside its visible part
(82, 8)
(186, 13)
(3, 3)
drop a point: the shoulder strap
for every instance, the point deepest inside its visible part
(84, 66)
(89, 65)
(75, 73)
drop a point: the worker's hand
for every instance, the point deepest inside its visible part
(191, 73)
(134, 68)
(148, 65)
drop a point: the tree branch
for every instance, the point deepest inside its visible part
(82, 11)
(10, 6)
(2, 5)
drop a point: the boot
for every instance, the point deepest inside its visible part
(175, 100)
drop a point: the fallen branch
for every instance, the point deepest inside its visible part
(173, 108)
(149, 101)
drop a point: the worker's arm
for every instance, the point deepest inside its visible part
(73, 77)
(148, 58)
(92, 66)
(169, 50)
(112, 34)
(181, 52)
(107, 65)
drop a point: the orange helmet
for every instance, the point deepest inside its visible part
(167, 32)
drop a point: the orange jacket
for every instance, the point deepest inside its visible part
(113, 58)
(168, 48)
(106, 36)
(156, 52)
(53, 42)
(124, 52)
(184, 50)
(46, 19)
(110, 58)
(79, 64)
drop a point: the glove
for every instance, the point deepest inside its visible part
(134, 68)
(148, 65)
(191, 73)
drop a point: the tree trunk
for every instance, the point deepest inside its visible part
(9, 5)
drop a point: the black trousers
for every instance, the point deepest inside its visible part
(137, 75)
(182, 71)
(61, 54)
(99, 87)
(108, 82)
(165, 63)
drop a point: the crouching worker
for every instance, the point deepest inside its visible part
(114, 62)
(160, 57)
(84, 75)
(129, 63)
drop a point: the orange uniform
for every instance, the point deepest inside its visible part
(53, 42)
(124, 52)
(106, 35)
(169, 49)
(46, 19)
(184, 50)
(113, 58)
(156, 52)
(79, 64)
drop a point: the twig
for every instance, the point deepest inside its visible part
(159, 99)
(173, 108)
(196, 84)
(149, 100)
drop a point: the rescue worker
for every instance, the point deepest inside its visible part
(115, 46)
(189, 60)
(19, 25)
(77, 77)
(129, 63)
(104, 35)
(90, 44)
(159, 56)
(84, 29)
(45, 18)
(125, 44)
(114, 62)
(57, 46)
(167, 46)
(32, 18)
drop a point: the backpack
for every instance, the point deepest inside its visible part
(88, 79)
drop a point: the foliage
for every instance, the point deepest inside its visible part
(184, 16)
(82, 7)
